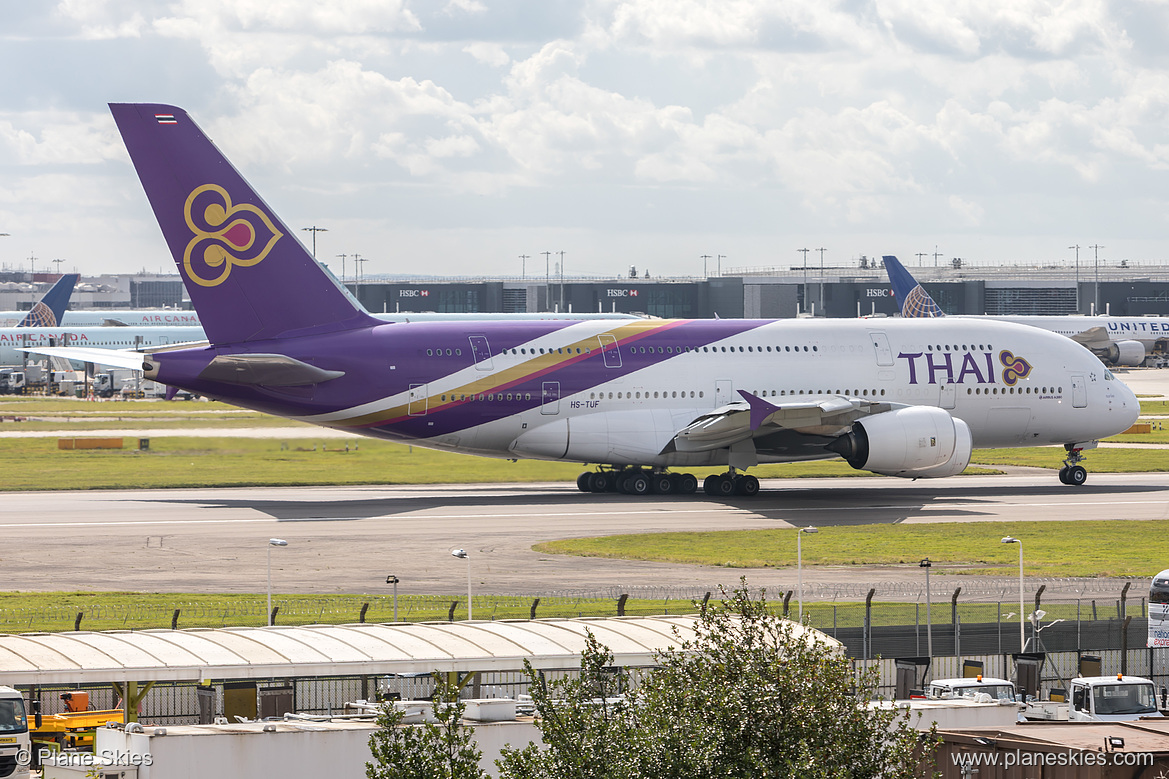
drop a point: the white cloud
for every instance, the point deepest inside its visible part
(489, 54)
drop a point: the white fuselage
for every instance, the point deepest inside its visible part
(1146, 330)
(1012, 385)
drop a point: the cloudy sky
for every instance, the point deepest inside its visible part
(453, 136)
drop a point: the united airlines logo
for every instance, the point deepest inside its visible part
(226, 235)
(963, 367)
(1014, 368)
(40, 316)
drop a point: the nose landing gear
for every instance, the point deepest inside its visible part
(1072, 473)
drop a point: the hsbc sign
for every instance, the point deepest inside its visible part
(413, 293)
(622, 293)
(879, 293)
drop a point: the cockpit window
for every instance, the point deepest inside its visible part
(1108, 376)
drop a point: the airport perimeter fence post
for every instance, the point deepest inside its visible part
(174, 620)
(868, 628)
(450, 617)
(954, 622)
(77, 622)
(275, 611)
(361, 616)
(535, 605)
(621, 604)
(786, 600)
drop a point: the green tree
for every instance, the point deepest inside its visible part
(751, 695)
(432, 750)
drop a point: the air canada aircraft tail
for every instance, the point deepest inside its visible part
(49, 310)
(248, 276)
(911, 297)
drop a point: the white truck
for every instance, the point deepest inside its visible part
(1100, 699)
(15, 746)
(996, 690)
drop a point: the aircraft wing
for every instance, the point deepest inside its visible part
(1093, 338)
(769, 426)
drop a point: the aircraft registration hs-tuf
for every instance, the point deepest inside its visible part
(906, 398)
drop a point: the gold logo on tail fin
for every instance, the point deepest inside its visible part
(226, 235)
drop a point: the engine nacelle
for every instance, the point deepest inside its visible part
(1126, 353)
(914, 442)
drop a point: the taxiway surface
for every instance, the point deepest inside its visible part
(347, 539)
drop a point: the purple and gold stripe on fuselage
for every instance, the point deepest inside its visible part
(580, 365)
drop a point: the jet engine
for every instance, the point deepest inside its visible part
(1127, 353)
(913, 442)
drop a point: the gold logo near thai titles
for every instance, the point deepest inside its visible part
(226, 235)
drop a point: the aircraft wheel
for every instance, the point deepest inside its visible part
(584, 482)
(662, 483)
(637, 484)
(747, 485)
(719, 486)
(685, 484)
(1063, 475)
(1077, 475)
(601, 482)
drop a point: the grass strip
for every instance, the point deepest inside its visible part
(1060, 549)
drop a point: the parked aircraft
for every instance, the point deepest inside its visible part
(14, 340)
(47, 311)
(899, 397)
(1117, 340)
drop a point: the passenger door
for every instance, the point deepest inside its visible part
(550, 398)
(1079, 392)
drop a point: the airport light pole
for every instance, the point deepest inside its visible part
(1096, 292)
(1022, 616)
(462, 554)
(314, 230)
(391, 579)
(800, 565)
(271, 543)
(1077, 248)
(929, 624)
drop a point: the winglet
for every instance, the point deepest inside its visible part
(911, 297)
(49, 310)
(247, 274)
(760, 409)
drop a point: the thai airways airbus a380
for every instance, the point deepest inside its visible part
(637, 398)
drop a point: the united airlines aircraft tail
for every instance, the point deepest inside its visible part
(248, 276)
(913, 300)
(49, 310)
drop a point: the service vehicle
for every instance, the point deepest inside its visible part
(1116, 698)
(15, 746)
(996, 690)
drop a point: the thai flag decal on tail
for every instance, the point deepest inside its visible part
(166, 118)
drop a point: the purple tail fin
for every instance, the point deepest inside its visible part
(247, 274)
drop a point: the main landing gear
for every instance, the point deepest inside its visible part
(1072, 473)
(638, 481)
(731, 483)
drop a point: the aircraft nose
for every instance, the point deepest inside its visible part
(1131, 407)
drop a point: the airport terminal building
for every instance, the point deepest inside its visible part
(860, 288)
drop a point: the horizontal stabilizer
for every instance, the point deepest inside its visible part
(270, 370)
(115, 358)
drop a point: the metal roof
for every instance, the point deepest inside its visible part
(333, 650)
